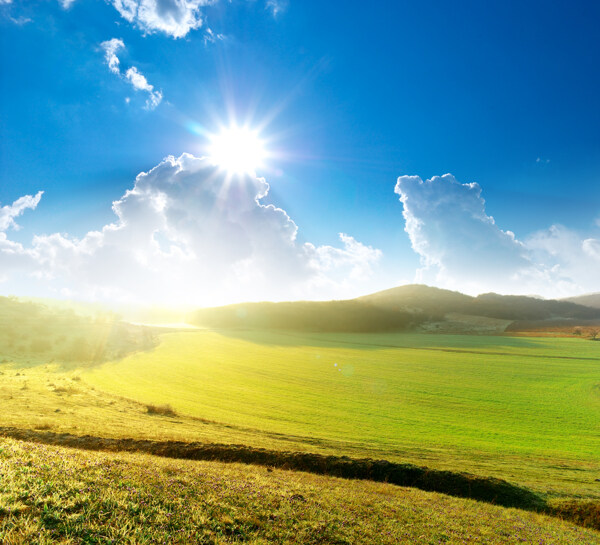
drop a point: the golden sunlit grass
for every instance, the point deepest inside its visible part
(58, 495)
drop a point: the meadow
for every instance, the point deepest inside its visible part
(522, 409)
(436, 398)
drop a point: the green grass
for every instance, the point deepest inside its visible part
(520, 409)
(57, 495)
(435, 397)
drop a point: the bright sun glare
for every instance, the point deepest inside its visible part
(238, 150)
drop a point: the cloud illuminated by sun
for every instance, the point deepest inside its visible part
(237, 150)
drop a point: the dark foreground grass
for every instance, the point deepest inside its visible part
(51, 494)
(453, 483)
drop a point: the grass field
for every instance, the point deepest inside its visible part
(430, 396)
(517, 408)
(57, 495)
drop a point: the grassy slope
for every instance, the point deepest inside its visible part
(57, 495)
(522, 409)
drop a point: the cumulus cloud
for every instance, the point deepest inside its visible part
(172, 17)
(457, 241)
(186, 232)
(66, 4)
(461, 247)
(132, 74)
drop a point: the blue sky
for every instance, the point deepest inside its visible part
(349, 98)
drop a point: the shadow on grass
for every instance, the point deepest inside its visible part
(428, 342)
(464, 485)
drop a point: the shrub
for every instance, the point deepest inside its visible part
(161, 410)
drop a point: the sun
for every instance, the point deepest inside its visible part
(237, 150)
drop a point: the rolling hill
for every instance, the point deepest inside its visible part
(395, 309)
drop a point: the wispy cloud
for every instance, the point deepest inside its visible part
(8, 213)
(140, 83)
(19, 20)
(276, 6)
(210, 37)
(132, 74)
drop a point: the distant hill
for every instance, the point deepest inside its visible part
(589, 300)
(439, 302)
(396, 309)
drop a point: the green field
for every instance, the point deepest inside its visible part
(522, 409)
(526, 409)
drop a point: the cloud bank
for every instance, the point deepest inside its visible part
(132, 74)
(185, 232)
(461, 247)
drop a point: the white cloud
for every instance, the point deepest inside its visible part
(5, 1)
(186, 232)
(276, 6)
(573, 258)
(354, 256)
(457, 241)
(66, 4)
(173, 17)
(461, 247)
(140, 83)
(132, 74)
(8, 213)
(111, 48)
(210, 37)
